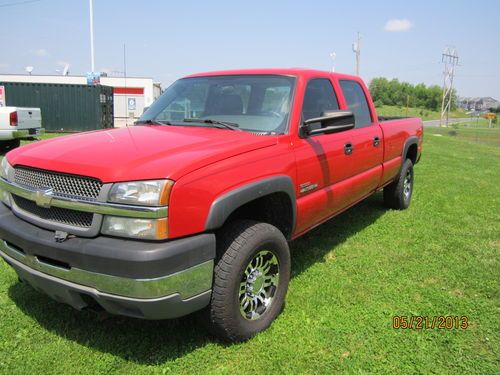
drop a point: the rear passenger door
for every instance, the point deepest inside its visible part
(365, 161)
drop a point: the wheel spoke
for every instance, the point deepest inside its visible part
(271, 280)
(260, 261)
(266, 267)
(243, 287)
(244, 305)
(253, 304)
(248, 271)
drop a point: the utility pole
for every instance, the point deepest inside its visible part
(356, 48)
(450, 60)
(333, 55)
(91, 5)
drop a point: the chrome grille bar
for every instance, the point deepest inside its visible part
(65, 185)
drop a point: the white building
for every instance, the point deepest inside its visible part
(478, 103)
(130, 95)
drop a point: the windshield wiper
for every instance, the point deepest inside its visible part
(153, 122)
(223, 124)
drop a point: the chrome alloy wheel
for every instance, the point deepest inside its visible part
(259, 285)
(407, 185)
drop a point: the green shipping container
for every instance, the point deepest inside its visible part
(65, 108)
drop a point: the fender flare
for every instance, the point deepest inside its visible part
(413, 140)
(227, 203)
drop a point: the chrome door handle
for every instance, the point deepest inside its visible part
(348, 148)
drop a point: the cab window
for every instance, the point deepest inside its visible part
(356, 102)
(318, 98)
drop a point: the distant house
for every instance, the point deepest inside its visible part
(478, 103)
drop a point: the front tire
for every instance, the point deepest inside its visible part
(397, 195)
(250, 280)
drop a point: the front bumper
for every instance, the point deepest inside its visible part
(22, 134)
(147, 280)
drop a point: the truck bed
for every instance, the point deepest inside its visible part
(391, 118)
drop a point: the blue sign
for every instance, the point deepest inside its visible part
(131, 104)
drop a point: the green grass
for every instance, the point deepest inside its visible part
(425, 114)
(350, 276)
(476, 131)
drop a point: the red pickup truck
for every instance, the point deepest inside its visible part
(193, 207)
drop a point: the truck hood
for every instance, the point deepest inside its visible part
(138, 152)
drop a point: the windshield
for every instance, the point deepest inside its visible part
(254, 103)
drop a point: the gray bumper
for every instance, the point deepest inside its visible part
(150, 280)
(22, 134)
(80, 297)
(26, 133)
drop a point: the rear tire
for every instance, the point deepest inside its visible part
(397, 195)
(6, 146)
(250, 280)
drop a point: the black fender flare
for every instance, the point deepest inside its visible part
(227, 203)
(413, 140)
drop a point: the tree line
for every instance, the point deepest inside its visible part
(402, 94)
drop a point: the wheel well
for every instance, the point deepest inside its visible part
(412, 153)
(275, 209)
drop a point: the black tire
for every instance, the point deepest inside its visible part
(397, 195)
(15, 143)
(239, 244)
(6, 146)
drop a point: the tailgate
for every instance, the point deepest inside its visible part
(29, 118)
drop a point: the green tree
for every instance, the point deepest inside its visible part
(396, 93)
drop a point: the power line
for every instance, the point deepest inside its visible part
(18, 3)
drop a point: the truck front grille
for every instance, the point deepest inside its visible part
(55, 214)
(63, 185)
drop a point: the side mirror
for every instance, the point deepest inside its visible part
(331, 122)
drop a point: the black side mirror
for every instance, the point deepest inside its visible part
(331, 122)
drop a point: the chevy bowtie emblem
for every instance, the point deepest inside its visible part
(43, 197)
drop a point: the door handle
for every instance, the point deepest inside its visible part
(348, 148)
(376, 141)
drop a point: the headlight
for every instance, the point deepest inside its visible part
(4, 197)
(146, 229)
(5, 169)
(142, 193)
(6, 172)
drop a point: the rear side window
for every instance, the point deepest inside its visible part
(357, 103)
(318, 98)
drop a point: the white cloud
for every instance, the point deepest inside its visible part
(398, 25)
(41, 52)
(4, 65)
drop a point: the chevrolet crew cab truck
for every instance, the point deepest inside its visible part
(18, 123)
(192, 209)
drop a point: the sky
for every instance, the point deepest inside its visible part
(166, 40)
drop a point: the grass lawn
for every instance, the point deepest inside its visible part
(350, 277)
(425, 114)
(476, 131)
